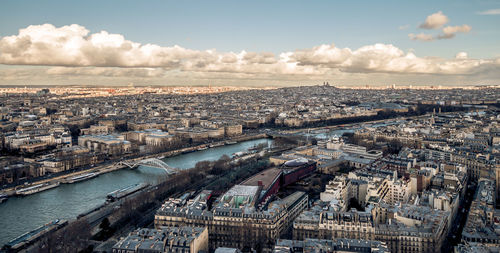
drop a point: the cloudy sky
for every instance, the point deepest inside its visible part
(252, 43)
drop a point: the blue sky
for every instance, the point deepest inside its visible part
(269, 26)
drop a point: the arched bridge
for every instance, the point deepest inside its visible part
(152, 162)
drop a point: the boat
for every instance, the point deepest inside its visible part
(36, 188)
(216, 145)
(26, 239)
(239, 154)
(80, 178)
(121, 193)
(3, 198)
(201, 149)
(256, 148)
(231, 142)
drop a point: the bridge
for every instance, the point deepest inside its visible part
(152, 162)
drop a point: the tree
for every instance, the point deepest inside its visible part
(71, 238)
(104, 224)
(221, 165)
(203, 165)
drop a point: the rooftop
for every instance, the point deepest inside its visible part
(265, 178)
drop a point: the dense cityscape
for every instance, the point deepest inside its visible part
(249, 126)
(314, 168)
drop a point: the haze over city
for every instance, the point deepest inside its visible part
(258, 43)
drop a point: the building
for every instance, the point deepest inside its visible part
(164, 239)
(404, 228)
(235, 220)
(233, 129)
(96, 130)
(108, 144)
(14, 169)
(336, 245)
(483, 222)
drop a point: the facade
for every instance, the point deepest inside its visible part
(16, 169)
(234, 220)
(96, 130)
(404, 228)
(73, 158)
(233, 129)
(108, 144)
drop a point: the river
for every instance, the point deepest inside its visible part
(22, 214)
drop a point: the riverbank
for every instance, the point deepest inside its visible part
(102, 169)
(123, 213)
(146, 202)
(69, 201)
(172, 153)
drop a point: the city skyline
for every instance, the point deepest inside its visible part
(450, 43)
(201, 169)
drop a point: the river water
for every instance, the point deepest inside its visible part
(22, 214)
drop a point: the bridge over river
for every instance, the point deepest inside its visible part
(153, 163)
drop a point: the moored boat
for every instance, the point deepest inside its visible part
(36, 188)
(80, 178)
(26, 239)
(214, 145)
(3, 198)
(118, 194)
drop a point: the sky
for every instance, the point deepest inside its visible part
(250, 43)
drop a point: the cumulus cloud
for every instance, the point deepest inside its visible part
(324, 54)
(461, 55)
(383, 58)
(450, 31)
(73, 51)
(73, 46)
(435, 21)
(490, 12)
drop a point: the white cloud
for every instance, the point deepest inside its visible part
(324, 54)
(461, 55)
(435, 21)
(73, 51)
(450, 31)
(383, 58)
(72, 46)
(490, 12)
